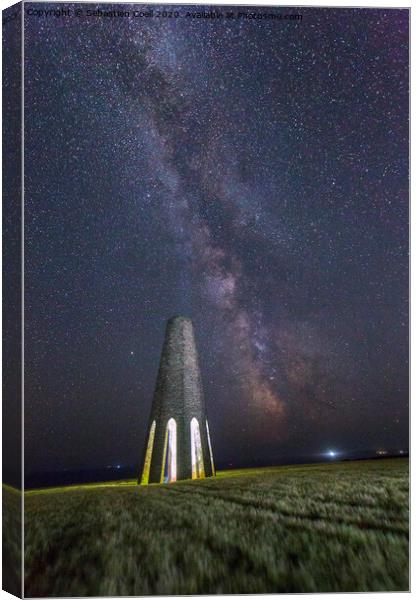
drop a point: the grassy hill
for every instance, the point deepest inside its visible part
(317, 528)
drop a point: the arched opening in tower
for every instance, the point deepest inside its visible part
(149, 452)
(196, 451)
(169, 453)
(210, 451)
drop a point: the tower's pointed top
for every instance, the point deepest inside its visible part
(176, 319)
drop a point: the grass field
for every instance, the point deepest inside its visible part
(12, 540)
(332, 527)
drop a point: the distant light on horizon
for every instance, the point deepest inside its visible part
(331, 453)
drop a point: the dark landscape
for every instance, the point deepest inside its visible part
(340, 527)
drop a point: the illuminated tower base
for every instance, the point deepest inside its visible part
(178, 445)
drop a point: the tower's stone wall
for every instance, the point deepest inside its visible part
(178, 395)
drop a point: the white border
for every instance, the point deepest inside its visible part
(264, 3)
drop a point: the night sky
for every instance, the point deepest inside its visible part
(250, 174)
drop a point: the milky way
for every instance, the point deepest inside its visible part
(251, 174)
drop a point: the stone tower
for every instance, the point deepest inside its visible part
(178, 444)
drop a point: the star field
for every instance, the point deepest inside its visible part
(252, 175)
